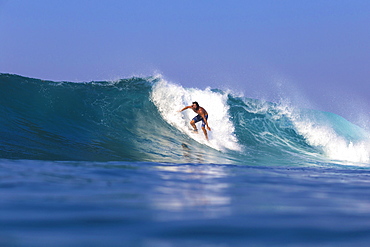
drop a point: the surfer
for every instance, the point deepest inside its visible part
(202, 116)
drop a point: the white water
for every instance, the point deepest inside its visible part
(170, 99)
(335, 136)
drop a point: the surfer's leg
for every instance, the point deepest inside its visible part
(192, 123)
(205, 132)
(196, 119)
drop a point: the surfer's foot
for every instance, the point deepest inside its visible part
(195, 131)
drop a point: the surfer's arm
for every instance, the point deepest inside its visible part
(186, 107)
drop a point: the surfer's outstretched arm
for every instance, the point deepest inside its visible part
(186, 107)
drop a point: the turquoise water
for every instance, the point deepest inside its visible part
(115, 164)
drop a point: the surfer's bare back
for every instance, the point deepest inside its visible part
(202, 116)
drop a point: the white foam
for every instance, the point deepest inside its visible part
(171, 98)
(321, 134)
(335, 146)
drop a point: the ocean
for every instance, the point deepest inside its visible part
(114, 163)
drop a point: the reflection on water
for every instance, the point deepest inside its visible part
(191, 188)
(191, 156)
(202, 155)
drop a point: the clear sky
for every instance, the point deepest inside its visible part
(313, 51)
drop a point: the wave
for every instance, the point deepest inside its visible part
(138, 119)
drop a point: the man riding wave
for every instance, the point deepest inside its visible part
(202, 116)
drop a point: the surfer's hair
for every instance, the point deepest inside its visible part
(196, 103)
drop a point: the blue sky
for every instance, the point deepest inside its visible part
(314, 52)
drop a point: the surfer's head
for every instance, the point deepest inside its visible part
(195, 106)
